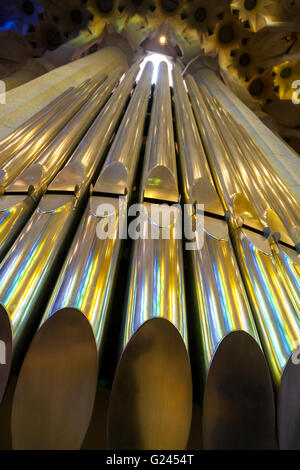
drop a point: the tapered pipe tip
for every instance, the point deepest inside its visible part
(276, 236)
(56, 389)
(151, 398)
(238, 405)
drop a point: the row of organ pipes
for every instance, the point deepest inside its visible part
(111, 141)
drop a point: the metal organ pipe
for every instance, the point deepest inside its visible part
(263, 182)
(280, 199)
(19, 137)
(151, 398)
(39, 127)
(81, 168)
(277, 320)
(196, 178)
(38, 176)
(15, 209)
(223, 172)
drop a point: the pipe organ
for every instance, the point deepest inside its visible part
(230, 306)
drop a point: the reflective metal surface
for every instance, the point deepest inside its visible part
(265, 188)
(48, 164)
(229, 345)
(159, 180)
(17, 307)
(20, 160)
(120, 165)
(271, 300)
(280, 199)
(16, 209)
(243, 284)
(288, 262)
(249, 181)
(73, 326)
(159, 292)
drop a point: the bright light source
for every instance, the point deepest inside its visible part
(156, 59)
(162, 40)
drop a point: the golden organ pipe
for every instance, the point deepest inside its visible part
(223, 319)
(20, 160)
(282, 201)
(80, 168)
(288, 262)
(151, 398)
(33, 257)
(262, 186)
(245, 271)
(197, 182)
(223, 172)
(249, 181)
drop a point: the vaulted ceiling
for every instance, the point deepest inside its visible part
(255, 40)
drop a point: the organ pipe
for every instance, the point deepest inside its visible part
(159, 179)
(82, 296)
